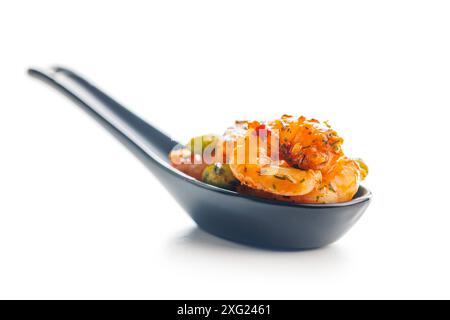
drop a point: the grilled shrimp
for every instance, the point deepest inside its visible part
(278, 180)
(339, 185)
(313, 168)
(268, 175)
(308, 144)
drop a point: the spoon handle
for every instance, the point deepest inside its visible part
(144, 135)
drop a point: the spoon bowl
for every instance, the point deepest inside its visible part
(224, 213)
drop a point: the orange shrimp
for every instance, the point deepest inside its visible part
(278, 180)
(308, 144)
(266, 174)
(312, 148)
(339, 185)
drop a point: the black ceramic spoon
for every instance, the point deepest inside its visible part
(224, 213)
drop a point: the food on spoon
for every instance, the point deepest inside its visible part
(188, 162)
(339, 184)
(200, 143)
(288, 159)
(220, 175)
(280, 180)
(308, 144)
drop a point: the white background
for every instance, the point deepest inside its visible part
(80, 217)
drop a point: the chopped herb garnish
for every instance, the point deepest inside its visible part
(285, 177)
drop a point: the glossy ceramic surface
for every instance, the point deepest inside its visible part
(227, 214)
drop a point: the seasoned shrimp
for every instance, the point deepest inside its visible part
(279, 180)
(311, 153)
(308, 144)
(271, 176)
(339, 185)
